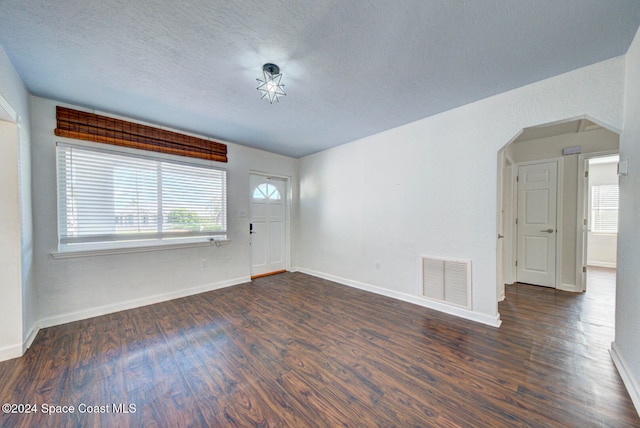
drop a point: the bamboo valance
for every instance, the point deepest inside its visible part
(102, 129)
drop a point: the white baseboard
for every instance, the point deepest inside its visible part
(15, 351)
(631, 383)
(10, 352)
(503, 292)
(31, 335)
(136, 303)
(493, 321)
(569, 287)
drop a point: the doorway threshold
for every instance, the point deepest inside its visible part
(277, 272)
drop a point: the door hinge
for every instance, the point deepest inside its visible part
(517, 178)
(584, 221)
(584, 269)
(516, 263)
(516, 221)
(586, 174)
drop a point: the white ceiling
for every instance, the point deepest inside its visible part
(351, 68)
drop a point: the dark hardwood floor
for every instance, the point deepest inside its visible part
(293, 350)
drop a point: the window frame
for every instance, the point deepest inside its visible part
(163, 242)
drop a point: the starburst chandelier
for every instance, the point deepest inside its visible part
(270, 86)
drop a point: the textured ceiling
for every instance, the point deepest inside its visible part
(351, 68)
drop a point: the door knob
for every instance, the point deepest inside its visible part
(547, 230)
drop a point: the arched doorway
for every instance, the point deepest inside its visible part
(569, 144)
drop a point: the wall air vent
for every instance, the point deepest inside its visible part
(447, 281)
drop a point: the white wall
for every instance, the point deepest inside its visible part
(429, 188)
(76, 288)
(626, 348)
(17, 307)
(551, 147)
(601, 247)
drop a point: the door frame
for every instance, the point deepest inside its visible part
(505, 224)
(559, 211)
(287, 215)
(583, 201)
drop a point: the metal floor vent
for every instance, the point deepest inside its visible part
(447, 281)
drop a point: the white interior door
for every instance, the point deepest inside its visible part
(268, 224)
(537, 216)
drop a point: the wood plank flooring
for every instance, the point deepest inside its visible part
(295, 351)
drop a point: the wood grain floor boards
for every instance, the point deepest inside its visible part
(292, 350)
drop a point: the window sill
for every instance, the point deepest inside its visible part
(58, 255)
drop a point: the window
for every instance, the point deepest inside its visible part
(604, 208)
(266, 191)
(111, 199)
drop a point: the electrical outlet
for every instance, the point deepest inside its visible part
(377, 264)
(205, 263)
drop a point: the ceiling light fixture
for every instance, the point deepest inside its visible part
(270, 86)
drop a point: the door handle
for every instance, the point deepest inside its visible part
(500, 236)
(547, 230)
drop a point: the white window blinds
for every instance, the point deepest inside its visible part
(110, 198)
(604, 208)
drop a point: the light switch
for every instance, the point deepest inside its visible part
(623, 167)
(242, 213)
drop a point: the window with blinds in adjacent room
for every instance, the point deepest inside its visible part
(604, 208)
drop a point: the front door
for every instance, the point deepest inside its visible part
(268, 224)
(537, 234)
